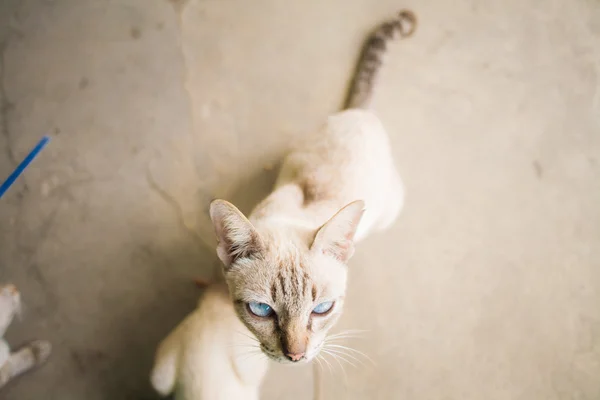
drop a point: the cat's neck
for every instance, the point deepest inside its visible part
(284, 216)
(286, 207)
(287, 222)
(285, 229)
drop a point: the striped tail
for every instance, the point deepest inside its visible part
(373, 53)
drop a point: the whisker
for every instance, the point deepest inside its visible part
(254, 346)
(251, 351)
(338, 346)
(349, 334)
(349, 331)
(248, 336)
(317, 379)
(249, 356)
(339, 355)
(318, 362)
(345, 334)
(341, 338)
(352, 331)
(334, 358)
(328, 364)
(349, 355)
(339, 363)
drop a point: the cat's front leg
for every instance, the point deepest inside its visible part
(164, 372)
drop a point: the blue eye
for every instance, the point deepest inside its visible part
(323, 307)
(260, 309)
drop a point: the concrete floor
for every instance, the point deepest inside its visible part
(488, 287)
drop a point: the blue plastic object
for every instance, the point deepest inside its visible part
(24, 164)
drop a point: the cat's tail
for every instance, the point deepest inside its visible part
(373, 53)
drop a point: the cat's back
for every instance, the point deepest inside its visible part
(348, 159)
(350, 131)
(348, 144)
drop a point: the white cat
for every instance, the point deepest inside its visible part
(285, 265)
(210, 355)
(26, 358)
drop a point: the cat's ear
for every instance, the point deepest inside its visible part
(236, 236)
(336, 236)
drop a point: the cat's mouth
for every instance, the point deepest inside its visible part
(277, 356)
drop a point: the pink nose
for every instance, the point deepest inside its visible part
(295, 356)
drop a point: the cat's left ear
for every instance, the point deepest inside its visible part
(336, 236)
(236, 235)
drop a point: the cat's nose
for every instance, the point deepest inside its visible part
(295, 356)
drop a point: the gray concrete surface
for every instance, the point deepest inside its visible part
(488, 287)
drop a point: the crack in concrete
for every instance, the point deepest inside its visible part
(179, 5)
(179, 10)
(5, 106)
(29, 252)
(30, 249)
(174, 204)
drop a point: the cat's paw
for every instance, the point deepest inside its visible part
(41, 350)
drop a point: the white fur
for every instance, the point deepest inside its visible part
(350, 155)
(32, 355)
(291, 252)
(209, 356)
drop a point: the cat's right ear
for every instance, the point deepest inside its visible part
(236, 235)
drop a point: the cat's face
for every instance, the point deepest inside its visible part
(287, 294)
(289, 301)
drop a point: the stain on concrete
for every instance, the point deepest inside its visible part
(538, 169)
(135, 32)
(83, 83)
(87, 359)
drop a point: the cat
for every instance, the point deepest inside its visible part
(210, 355)
(32, 355)
(286, 264)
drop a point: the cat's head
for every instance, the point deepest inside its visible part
(288, 293)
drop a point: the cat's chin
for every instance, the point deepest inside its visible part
(285, 361)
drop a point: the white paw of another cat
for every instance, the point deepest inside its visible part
(41, 350)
